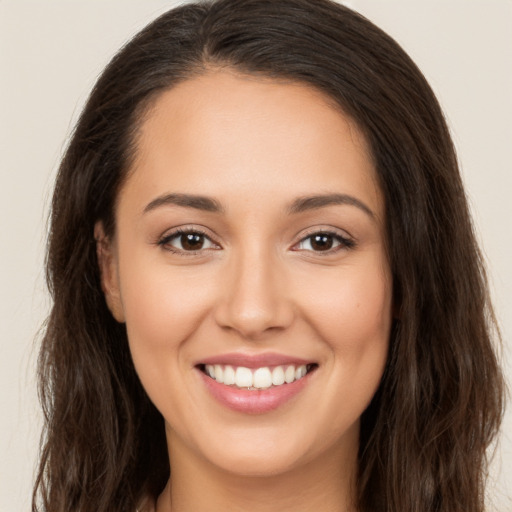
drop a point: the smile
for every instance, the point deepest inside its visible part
(255, 384)
(258, 378)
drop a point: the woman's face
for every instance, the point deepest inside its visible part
(250, 246)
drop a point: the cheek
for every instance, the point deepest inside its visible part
(351, 308)
(162, 309)
(352, 314)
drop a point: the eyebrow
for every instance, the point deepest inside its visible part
(306, 203)
(299, 205)
(203, 203)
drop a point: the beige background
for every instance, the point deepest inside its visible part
(50, 55)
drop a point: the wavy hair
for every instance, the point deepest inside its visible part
(425, 436)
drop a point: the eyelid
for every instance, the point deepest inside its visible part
(346, 241)
(164, 240)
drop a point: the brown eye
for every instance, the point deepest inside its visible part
(187, 241)
(324, 242)
(192, 241)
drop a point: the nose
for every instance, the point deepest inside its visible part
(254, 298)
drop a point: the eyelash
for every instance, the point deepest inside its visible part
(344, 242)
(177, 233)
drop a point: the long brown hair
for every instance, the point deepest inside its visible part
(424, 438)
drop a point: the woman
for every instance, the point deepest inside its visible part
(267, 291)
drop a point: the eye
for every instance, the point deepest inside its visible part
(187, 241)
(324, 242)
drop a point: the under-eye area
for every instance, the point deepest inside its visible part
(257, 378)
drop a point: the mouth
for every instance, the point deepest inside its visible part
(255, 384)
(259, 378)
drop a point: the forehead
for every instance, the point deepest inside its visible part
(224, 133)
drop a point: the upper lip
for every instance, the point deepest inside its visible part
(254, 360)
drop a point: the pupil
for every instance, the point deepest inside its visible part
(322, 242)
(192, 241)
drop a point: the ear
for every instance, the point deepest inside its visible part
(109, 274)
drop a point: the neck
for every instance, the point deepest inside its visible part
(326, 483)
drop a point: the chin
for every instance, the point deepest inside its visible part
(258, 465)
(264, 455)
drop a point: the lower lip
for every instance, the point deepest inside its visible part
(256, 401)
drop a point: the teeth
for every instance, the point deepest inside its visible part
(219, 373)
(278, 376)
(262, 378)
(243, 377)
(299, 372)
(229, 375)
(289, 374)
(259, 378)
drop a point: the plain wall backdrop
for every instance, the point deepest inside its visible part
(50, 55)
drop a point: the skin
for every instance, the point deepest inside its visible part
(258, 284)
